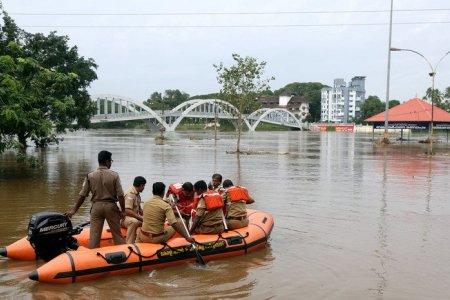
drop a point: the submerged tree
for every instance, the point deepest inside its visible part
(43, 87)
(241, 84)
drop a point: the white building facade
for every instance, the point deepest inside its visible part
(342, 103)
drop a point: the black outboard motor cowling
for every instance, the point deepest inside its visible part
(50, 234)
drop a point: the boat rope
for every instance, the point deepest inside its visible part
(247, 234)
(115, 257)
(147, 256)
(176, 251)
(219, 236)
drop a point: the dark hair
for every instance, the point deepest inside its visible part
(200, 186)
(104, 156)
(139, 180)
(159, 188)
(218, 176)
(187, 186)
(227, 183)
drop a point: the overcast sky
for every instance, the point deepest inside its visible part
(143, 46)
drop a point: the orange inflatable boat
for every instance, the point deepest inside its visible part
(22, 249)
(88, 264)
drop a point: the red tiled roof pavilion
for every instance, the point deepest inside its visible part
(414, 110)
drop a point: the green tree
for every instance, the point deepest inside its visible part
(371, 106)
(54, 53)
(241, 84)
(435, 97)
(175, 97)
(311, 91)
(42, 87)
(446, 99)
(155, 102)
(393, 103)
(169, 100)
(206, 96)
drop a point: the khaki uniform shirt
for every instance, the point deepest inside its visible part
(208, 218)
(104, 184)
(155, 213)
(220, 189)
(234, 209)
(133, 200)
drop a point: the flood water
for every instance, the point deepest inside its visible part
(353, 219)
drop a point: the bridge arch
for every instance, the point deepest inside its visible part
(275, 116)
(204, 108)
(112, 108)
(118, 107)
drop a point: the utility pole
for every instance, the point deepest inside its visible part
(386, 122)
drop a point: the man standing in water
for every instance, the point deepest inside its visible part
(106, 189)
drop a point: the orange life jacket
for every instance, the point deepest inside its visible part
(175, 188)
(184, 202)
(213, 200)
(238, 193)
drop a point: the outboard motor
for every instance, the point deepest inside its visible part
(50, 234)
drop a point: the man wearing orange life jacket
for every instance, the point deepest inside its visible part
(208, 206)
(183, 193)
(236, 198)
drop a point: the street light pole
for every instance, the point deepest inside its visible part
(432, 75)
(386, 124)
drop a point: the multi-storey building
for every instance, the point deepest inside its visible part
(342, 103)
(298, 105)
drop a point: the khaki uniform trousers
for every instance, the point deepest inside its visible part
(147, 237)
(101, 211)
(210, 229)
(236, 223)
(131, 224)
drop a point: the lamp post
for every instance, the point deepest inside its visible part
(432, 75)
(386, 122)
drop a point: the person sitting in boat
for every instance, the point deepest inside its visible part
(235, 198)
(155, 213)
(216, 183)
(183, 194)
(208, 207)
(133, 210)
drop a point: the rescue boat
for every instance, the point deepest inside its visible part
(89, 264)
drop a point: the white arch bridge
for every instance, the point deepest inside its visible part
(111, 108)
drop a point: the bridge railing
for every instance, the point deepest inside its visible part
(196, 108)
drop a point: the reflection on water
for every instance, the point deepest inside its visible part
(353, 220)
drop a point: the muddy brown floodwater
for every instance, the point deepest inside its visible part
(353, 220)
